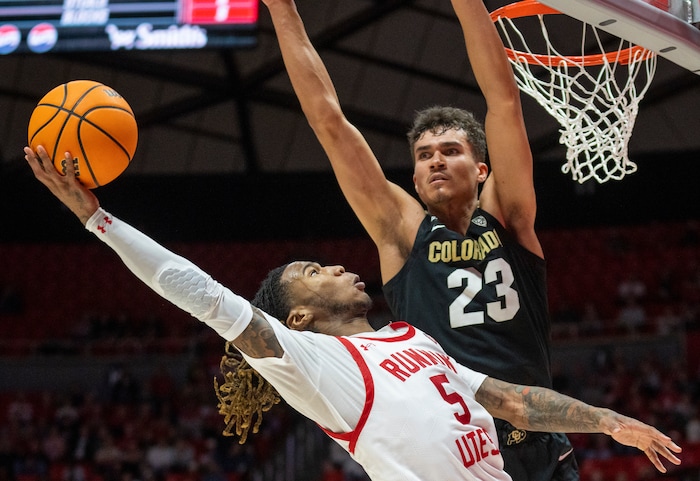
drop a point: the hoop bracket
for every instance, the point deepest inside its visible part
(530, 8)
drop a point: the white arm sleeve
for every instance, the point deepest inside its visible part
(173, 277)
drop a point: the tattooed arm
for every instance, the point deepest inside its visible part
(258, 339)
(541, 409)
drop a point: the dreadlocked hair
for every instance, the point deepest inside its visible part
(244, 394)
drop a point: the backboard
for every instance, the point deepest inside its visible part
(662, 26)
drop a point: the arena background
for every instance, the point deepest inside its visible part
(228, 173)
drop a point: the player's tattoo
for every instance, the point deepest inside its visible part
(539, 409)
(491, 394)
(258, 339)
(82, 210)
(547, 410)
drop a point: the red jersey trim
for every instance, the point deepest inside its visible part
(410, 332)
(351, 436)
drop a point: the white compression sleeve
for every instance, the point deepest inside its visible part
(173, 277)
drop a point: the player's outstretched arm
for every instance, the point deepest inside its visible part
(173, 277)
(541, 409)
(509, 192)
(389, 214)
(80, 200)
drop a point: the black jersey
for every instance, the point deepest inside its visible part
(481, 296)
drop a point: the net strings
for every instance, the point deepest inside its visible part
(596, 106)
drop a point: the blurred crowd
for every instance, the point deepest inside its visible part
(152, 430)
(627, 283)
(160, 428)
(129, 429)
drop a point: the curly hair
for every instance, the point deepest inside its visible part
(244, 394)
(438, 119)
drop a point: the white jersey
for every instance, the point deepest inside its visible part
(409, 407)
(393, 399)
(420, 406)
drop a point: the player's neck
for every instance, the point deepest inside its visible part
(455, 217)
(348, 327)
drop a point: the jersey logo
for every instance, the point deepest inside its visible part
(479, 220)
(102, 226)
(563, 456)
(516, 436)
(436, 226)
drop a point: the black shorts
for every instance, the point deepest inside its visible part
(534, 456)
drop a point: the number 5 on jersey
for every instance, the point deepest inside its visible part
(452, 397)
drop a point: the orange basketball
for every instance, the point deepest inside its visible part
(92, 122)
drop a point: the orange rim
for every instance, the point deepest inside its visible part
(530, 8)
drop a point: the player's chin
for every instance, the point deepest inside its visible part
(366, 301)
(439, 196)
(433, 194)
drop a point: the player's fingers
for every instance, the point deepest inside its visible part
(35, 163)
(28, 154)
(674, 447)
(46, 163)
(664, 450)
(667, 449)
(654, 458)
(68, 165)
(32, 157)
(43, 156)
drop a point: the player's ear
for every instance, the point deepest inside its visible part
(483, 171)
(299, 318)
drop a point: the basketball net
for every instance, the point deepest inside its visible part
(595, 98)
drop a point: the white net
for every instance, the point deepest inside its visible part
(596, 106)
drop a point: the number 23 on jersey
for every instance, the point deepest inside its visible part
(498, 274)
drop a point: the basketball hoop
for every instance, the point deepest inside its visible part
(594, 97)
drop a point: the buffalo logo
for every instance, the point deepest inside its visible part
(516, 436)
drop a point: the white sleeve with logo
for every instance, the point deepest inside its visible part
(173, 277)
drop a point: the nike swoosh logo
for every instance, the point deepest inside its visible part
(437, 226)
(563, 456)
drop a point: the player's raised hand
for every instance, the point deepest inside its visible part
(80, 200)
(631, 432)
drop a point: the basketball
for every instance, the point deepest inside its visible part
(92, 122)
